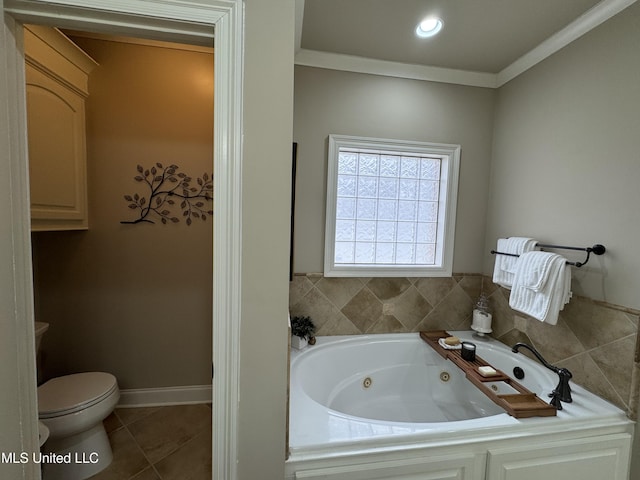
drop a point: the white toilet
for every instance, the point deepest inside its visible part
(72, 408)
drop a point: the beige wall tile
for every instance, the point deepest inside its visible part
(455, 309)
(435, 289)
(515, 336)
(315, 305)
(434, 321)
(586, 373)
(410, 308)
(340, 325)
(387, 324)
(472, 285)
(554, 342)
(596, 325)
(613, 359)
(388, 288)
(363, 309)
(298, 288)
(503, 317)
(339, 290)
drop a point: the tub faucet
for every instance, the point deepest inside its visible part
(562, 393)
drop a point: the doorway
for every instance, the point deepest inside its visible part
(144, 19)
(132, 294)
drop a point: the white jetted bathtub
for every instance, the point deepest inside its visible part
(390, 407)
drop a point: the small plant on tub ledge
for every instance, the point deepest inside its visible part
(302, 330)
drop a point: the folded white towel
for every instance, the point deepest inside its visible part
(505, 265)
(541, 285)
(533, 270)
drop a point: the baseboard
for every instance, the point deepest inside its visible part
(153, 397)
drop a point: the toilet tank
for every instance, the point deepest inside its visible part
(40, 328)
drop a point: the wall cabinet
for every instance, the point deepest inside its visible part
(57, 77)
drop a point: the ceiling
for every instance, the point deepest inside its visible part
(487, 40)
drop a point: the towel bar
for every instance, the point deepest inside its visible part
(597, 249)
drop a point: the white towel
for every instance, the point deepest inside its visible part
(505, 265)
(541, 285)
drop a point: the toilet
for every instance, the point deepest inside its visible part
(72, 408)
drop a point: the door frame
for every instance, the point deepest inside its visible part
(169, 20)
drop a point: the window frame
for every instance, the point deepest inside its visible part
(449, 176)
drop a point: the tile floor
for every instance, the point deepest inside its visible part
(159, 443)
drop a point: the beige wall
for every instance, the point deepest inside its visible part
(331, 102)
(134, 300)
(266, 176)
(565, 169)
(565, 163)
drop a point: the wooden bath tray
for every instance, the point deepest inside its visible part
(519, 405)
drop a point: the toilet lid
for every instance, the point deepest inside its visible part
(70, 393)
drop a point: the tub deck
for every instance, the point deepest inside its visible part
(317, 432)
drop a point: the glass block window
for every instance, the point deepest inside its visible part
(390, 207)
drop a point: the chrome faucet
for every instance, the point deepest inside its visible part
(562, 393)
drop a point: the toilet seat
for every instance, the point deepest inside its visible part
(73, 393)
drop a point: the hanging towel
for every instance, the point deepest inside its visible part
(541, 285)
(505, 265)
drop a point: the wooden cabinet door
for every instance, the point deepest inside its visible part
(57, 155)
(597, 458)
(450, 467)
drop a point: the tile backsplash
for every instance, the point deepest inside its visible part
(597, 342)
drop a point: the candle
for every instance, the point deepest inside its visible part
(468, 351)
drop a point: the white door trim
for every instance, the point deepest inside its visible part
(171, 20)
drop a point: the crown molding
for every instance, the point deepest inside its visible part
(350, 63)
(141, 41)
(593, 17)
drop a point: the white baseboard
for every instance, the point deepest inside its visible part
(153, 397)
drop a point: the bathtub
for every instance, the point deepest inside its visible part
(364, 405)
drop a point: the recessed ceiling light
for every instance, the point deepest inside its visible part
(429, 27)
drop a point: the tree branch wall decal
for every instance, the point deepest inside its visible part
(169, 190)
